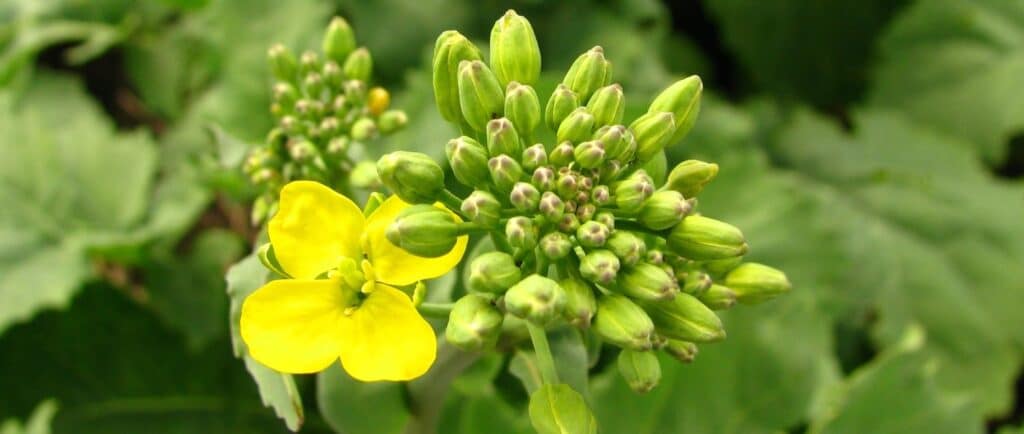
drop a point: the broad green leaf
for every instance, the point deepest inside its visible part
(354, 407)
(955, 65)
(37, 423)
(557, 409)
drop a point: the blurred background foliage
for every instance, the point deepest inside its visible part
(873, 149)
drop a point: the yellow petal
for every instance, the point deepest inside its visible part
(395, 266)
(386, 339)
(314, 228)
(293, 325)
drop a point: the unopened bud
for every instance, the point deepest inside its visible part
(551, 206)
(333, 75)
(493, 272)
(607, 105)
(690, 177)
(685, 318)
(577, 127)
(356, 93)
(569, 223)
(754, 283)
(285, 94)
(450, 50)
(682, 350)
(309, 62)
(563, 154)
(718, 297)
(696, 283)
(358, 65)
(589, 154)
(536, 298)
(424, 230)
(627, 246)
(377, 100)
(606, 218)
(480, 95)
(592, 234)
(580, 303)
(313, 85)
(474, 324)
(505, 172)
(618, 142)
(586, 211)
(515, 54)
(363, 129)
(631, 192)
(562, 102)
(521, 233)
(522, 107)
(682, 99)
(364, 176)
(534, 157)
(567, 185)
(588, 73)
(701, 238)
(482, 208)
(621, 322)
(502, 138)
(721, 267)
(640, 369)
(414, 177)
(339, 40)
(653, 132)
(663, 210)
(525, 197)
(555, 245)
(391, 121)
(600, 266)
(282, 63)
(647, 282)
(468, 159)
(543, 178)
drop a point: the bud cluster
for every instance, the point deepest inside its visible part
(584, 234)
(325, 113)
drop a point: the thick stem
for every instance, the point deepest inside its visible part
(451, 201)
(435, 310)
(545, 361)
(426, 394)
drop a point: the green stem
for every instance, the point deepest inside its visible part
(545, 361)
(435, 310)
(500, 242)
(451, 201)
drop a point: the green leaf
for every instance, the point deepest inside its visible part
(955, 65)
(354, 407)
(38, 423)
(570, 357)
(557, 409)
(277, 390)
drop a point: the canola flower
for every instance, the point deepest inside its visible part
(340, 299)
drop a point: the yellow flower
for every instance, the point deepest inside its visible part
(305, 323)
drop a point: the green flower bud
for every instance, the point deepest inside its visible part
(683, 351)
(601, 196)
(502, 138)
(682, 99)
(543, 178)
(653, 132)
(588, 73)
(339, 40)
(468, 159)
(754, 283)
(618, 142)
(555, 245)
(309, 62)
(589, 154)
(482, 208)
(363, 129)
(534, 157)
(414, 177)
(580, 303)
(627, 246)
(522, 107)
(474, 323)
(718, 297)
(563, 154)
(356, 91)
(525, 197)
(592, 234)
(586, 211)
(696, 283)
(686, 318)
(391, 121)
(515, 54)
(521, 233)
(333, 75)
(655, 256)
(567, 185)
(640, 369)
(562, 102)
(600, 266)
(505, 172)
(285, 94)
(608, 105)
(647, 282)
(569, 223)
(536, 299)
(690, 177)
(663, 210)
(701, 238)
(358, 65)
(364, 176)
(493, 272)
(480, 95)
(577, 127)
(282, 63)
(721, 267)
(632, 192)
(623, 323)
(424, 230)
(450, 50)
(551, 206)
(313, 85)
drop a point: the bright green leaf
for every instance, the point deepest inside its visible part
(557, 409)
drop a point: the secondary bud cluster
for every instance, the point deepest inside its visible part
(325, 112)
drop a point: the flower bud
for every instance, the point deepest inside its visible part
(339, 40)
(493, 272)
(522, 107)
(588, 73)
(555, 245)
(502, 138)
(313, 85)
(562, 102)
(569, 223)
(754, 283)
(468, 160)
(682, 99)
(355, 92)
(505, 172)
(718, 297)
(580, 303)
(474, 324)
(686, 318)
(285, 94)
(653, 132)
(358, 65)
(521, 233)
(364, 129)
(551, 206)
(690, 177)
(682, 350)
(655, 256)
(623, 323)
(515, 55)
(364, 175)
(282, 63)
(567, 185)
(721, 267)
(534, 157)
(600, 266)
(391, 121)
(696, 283)
(577, 127)
(647, 282)
(333, 75)
(618, 142)
(543, 178)
(631, 192)
(592, 234)
(524, 196)
(627, 246)
(563, 154)
(608, 105)
(480, 95)
(640, 369)
(414, 177)
(450, 50)
(586, 211)
(589, 154)
(701, 238)
(482, 208)
(536, 299)
(309, 62)
(663, 210)
(424, 230)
